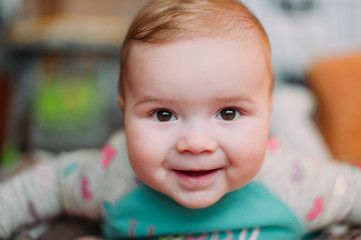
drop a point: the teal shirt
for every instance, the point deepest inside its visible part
(251, 212)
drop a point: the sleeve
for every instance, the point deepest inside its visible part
(74, 183)
(319, 191)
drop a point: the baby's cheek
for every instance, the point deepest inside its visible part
(239, 177)
(144, 158)
(143, 153)
(245, 164)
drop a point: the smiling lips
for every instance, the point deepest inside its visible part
(195, 179)
(195, 173)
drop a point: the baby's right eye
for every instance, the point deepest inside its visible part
(163, 116)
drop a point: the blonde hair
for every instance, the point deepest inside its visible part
(164, 21)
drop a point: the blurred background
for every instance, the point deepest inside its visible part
(59, 66)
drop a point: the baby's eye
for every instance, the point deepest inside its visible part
(228, 114)
(163, 116)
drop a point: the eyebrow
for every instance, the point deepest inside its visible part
(151, 99)
(243, 98)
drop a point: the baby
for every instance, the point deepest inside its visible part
(195, 89)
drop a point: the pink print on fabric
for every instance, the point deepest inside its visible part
(317, 209)
(132, 228)
(298, 173)
(87, 195)
(108, 155)
(229, 236)
(272, 144)
(150, 231)
(32, 211)
(137, 180)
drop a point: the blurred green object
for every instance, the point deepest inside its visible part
(67, 104)
(10, 157)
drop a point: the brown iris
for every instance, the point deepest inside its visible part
(228, 114)
(164, 116)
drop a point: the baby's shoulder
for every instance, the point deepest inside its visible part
(303, 182)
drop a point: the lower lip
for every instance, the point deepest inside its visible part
(199, 181)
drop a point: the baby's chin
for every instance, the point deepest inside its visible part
(197, 200)
(197, 205)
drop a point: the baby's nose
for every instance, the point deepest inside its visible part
(196, 142)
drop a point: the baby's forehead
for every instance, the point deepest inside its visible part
(241, 50)
(259, 44)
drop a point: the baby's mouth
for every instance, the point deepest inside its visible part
(196, 173)
(196, 179)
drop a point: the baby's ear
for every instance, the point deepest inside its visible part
(121, 101)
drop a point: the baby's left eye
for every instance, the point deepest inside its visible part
(163, 116)
(228, 114)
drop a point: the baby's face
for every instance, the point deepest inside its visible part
(196, 115)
